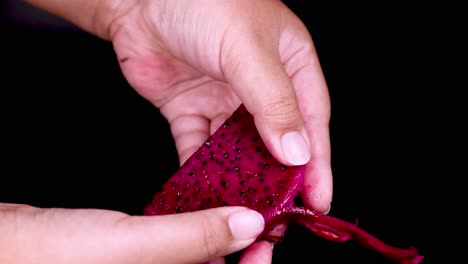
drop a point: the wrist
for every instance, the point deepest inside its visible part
(93, 16)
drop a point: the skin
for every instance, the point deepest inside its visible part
(196, 61)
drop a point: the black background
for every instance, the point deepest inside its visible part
(71, 126)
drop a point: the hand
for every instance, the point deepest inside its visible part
(198, 60)
(55, 236)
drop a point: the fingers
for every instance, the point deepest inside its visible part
(284, 88)
(314, 103)
(258, 253)
(189, 132)
(196, 237)
(257, 75)
(100, 236)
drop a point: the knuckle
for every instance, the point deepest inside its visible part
(283, 114)
(212, 240)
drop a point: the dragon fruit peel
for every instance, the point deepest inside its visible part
(234, 168)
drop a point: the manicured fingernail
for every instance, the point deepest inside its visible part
(295, 148)
(246, 224)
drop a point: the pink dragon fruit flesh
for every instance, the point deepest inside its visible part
(233, 167)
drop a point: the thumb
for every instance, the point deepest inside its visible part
(197, 236)
(259, 79)
(55, 235)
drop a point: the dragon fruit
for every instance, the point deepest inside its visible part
(234, 168)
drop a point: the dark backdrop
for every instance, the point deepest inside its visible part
(75, 134)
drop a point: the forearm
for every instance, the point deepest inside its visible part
(93, 16)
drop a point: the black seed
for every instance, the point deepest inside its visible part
(197, 182)
(161, 201)
(226, 155)
(220, 145)
(200, 207)
(186, 199)
(238, 141)
(262, 180)
(260, 200)
(258, 149)
(198, 156)
(209, 199)
(223, 135)
(242, 183)
(199, 190)
(267, 188)
(250, 190)
(218, 198)
(254, 139)
(283, 167)
(224, 184)
(178, 209)
(242, 193)
(227, 124)
(204, 164)
(185, 189)
(251, 201)
(221, 164)
(191, 174)
(225, 204)
(236, 168)
(237, 158)
(266, 166)
(271, 203)
(238, 150)
(228, 170)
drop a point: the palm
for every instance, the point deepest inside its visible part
(194, 103)
(186, 74)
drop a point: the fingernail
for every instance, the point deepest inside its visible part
(246, 224)
(328, 210)
(295, 148)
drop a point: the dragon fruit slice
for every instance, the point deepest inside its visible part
(234, 168)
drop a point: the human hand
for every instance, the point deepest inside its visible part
(198, 60)
(55, 236)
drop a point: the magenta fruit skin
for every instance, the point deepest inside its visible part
(234, 168)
